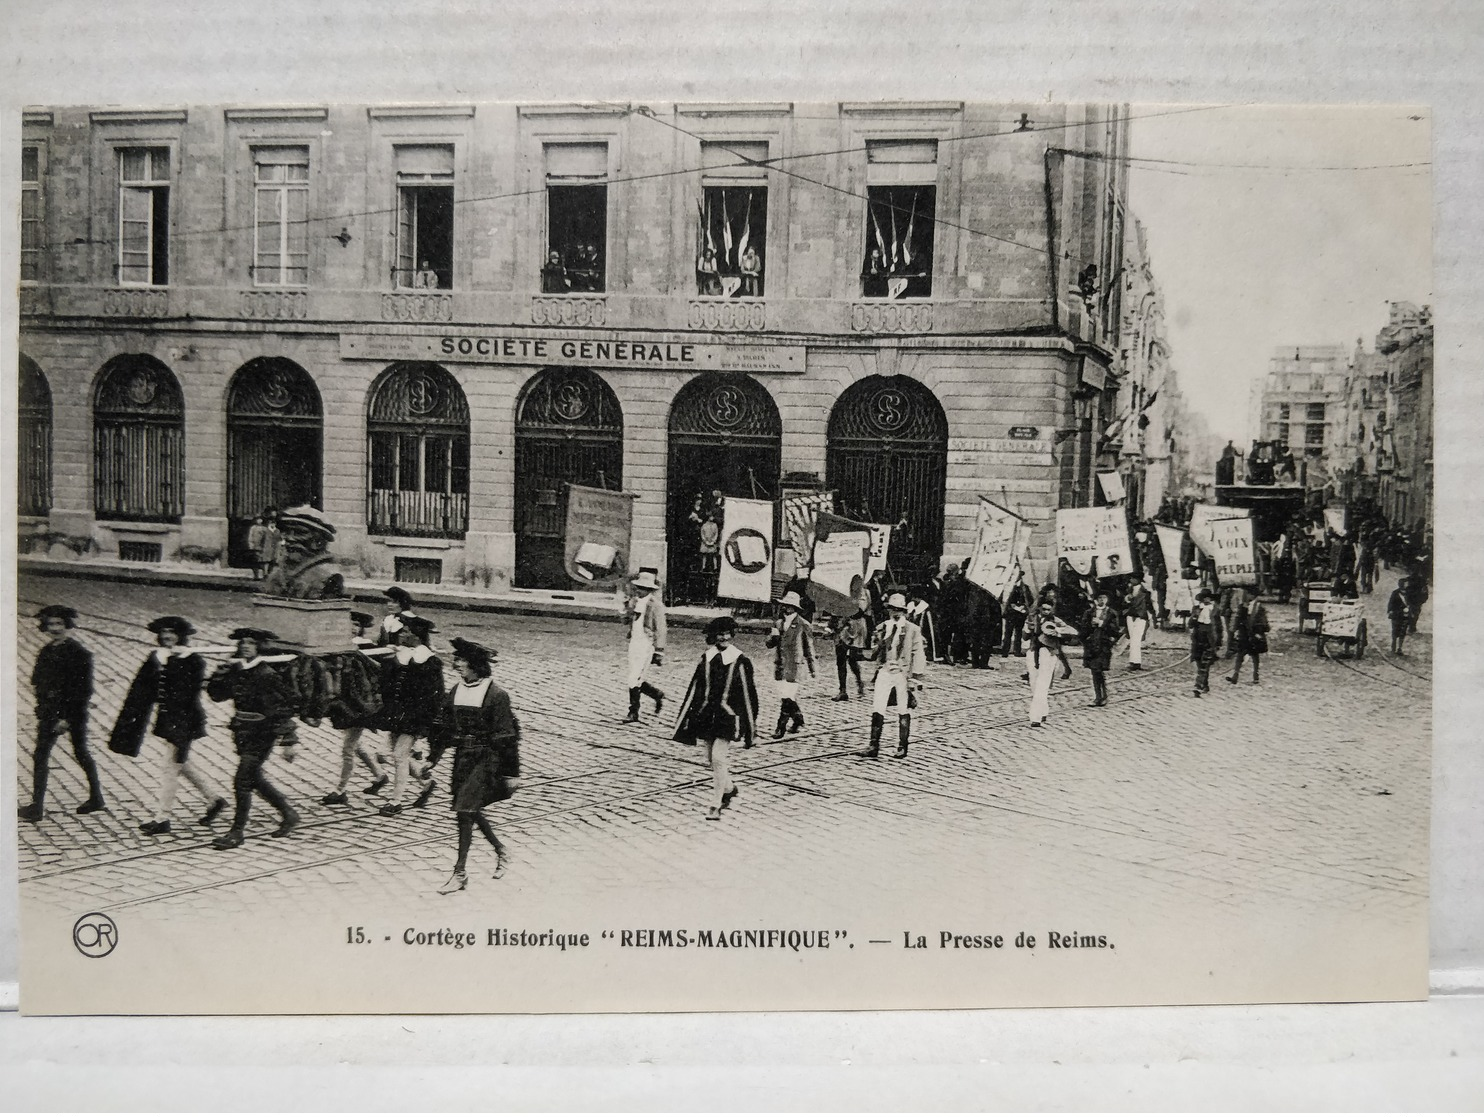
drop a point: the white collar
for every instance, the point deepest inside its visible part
(728, 655)
(249, 664)
(163, 655)
(471, 694)
(420, 654)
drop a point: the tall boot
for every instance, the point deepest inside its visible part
(783, 720)
(652, 691)
(874, 750)
(795, 714)
(1256, 670)
(904, 731)
(633, 705)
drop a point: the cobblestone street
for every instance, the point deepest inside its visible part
(1305, 795)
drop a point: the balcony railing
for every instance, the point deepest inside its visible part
(418, 514)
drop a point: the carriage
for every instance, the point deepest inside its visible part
(1341, 624)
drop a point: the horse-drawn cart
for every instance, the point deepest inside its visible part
(1341, 624)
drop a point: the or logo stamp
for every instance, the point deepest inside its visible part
(95, 935)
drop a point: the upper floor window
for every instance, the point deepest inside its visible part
(1283, 412)
(281, 217)
(144, 216)
(424, 216)
(576, 218)
(1314, 413)
(32, 220)
(732, 220)
(901, 191)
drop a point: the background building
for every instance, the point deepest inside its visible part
(1406, 482)
(429, 319)
(1303, 407)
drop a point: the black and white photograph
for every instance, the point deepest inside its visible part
(638, 554)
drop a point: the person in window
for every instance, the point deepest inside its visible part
(720, 708)
(751, 266)
(477, 722)
(169, 685)
(874, 279)
(585, 268)
(708, 282)
(63, 681)
(425, 276)
(554, 277)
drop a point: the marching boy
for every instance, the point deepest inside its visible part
(357, 709)
(263, 716)
(793, 648)
(898, 645)
(63, 681)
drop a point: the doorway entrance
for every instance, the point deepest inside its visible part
(275, 437)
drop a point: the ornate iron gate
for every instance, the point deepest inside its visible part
(275, 431)
(725, 437)
(568, 431)
(887, 460)
(34, 441)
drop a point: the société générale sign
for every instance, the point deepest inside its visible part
(534, 347)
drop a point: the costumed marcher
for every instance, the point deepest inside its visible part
(63, 681)
(852, 640)
(948, 613)
(1399, 611)
(644, 613)
(984, 626)
(720, 707)
(399, 608)
(897, 644)
(1044, 635)
(1100, 632)
(1018, 605)
(1249, 635)
(476, 721)
(1138, 607)
(920, 613)
(304, 569)
(411, 696)
(1416, 597)
(792, 645)
(169, 684)
(1205, 638)
(356, 708)
(263, 708)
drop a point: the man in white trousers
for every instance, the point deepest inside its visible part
(1044, 634)
(644, 613)
(898, 645)
(1138, 606)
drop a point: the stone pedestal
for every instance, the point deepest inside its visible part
(310, 627)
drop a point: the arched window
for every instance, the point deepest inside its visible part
(417, 429)
(887, 460)
(138, 441)
(568, 431)
(34, 436)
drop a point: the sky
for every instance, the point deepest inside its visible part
(1253, 259)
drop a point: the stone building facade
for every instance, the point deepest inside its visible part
(1303, 405)
(429, 319)
(1406, 474)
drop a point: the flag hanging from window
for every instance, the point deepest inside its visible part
(746, 231)
(907, 244)
(726, 232)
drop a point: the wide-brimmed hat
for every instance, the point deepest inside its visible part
(260, 636)
(309, 518)
(360, 618)
(1205, 595)
(178, 625)
(791, 600)
(420, 627)
(645, 580)
(66, 613)
(476, 655)
(717, 625)
(896, 601)
(399, 595)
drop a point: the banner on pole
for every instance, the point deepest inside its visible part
(1334, 519)
(993, 563)
(880, 546)
(1088, 537)
(746, 550)
(1202, 519)
(1232, 552)
(598, 530)
(799, 514)
(842, 551)
(1171, 540)
(1112, 486)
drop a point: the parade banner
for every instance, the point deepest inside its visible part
(746, 550)
(1225, 535)
(1334, 519)
(799, 514)
(1094, 536)
(599, 527)
(995, 554)
(880, 548)
(842, 550)
(1203, 516)
(1112, 486)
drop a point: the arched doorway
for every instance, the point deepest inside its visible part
(417, 430)
(725, 436)
(138, 441)
(34, 439)
(568, 431)
(887, 461)
(275, 439)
